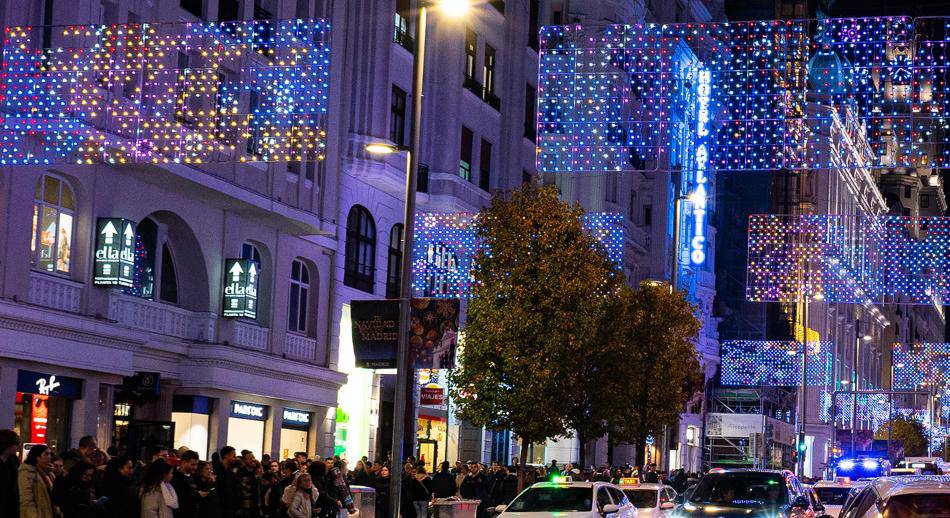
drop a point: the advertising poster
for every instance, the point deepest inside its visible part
(375, 327)
(433, 333)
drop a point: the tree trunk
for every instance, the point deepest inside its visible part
(582, 451)
(524, 460)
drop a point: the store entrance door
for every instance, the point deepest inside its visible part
(145, 435)
(429, 454)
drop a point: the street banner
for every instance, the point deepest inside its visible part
(433, 333)
(375, 326)
(432, 396)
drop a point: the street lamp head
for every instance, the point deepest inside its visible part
(453, 8)
(381, 148)
(819, 296)
(867, 338)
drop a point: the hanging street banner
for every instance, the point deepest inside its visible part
(375, 327)
(115, 252)
(240, 288)
(433, 333)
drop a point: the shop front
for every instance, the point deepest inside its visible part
(44, 404)
(192, 417)
(294, 432)
(246, 423)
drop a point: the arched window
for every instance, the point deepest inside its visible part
(53, 209)
(360, 269)
(299, 295)
(249, 251)
(394, 265)
(153, 271)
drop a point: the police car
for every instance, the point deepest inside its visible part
(651, 500)
(564, 498)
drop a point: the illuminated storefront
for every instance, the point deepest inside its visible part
(44, 408)
(192, 416)
(246, 426)
(357, 410)
(294, 432)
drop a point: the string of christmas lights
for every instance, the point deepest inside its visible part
(445, 246)
(609, 98)
(240, 91)
(921, 365)
(774, 363)
(848, 259)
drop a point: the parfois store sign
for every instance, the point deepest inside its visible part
(697, 243)
(240, 288)
(245, 410)
(115, 252)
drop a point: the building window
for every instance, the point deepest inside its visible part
(471, 46)
(192, 6)
(533, 21)
(249, 251)
(484, 166)
(168, 291)
(526, 177)
(925, 201)
(401, 25)
(299, 295)
(360, 266)
(908, 192)
(397, 117)
(632, 209)
(530, 105)
(648, 215)
(394, 264)
(612, 188)
(228, 10)
(465, 155)
(53, 210)
(488, 71)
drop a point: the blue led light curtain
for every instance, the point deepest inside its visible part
(774, 363)
(620, 98)
(165, 93)
(445, 246)
(848, 259)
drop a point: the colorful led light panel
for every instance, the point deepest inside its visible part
(876, 409)
(764, 363)
(208, 92)
(849, 259)
(445, 246)
(917, 365)
(611, 98)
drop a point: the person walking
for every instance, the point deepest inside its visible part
(209, 505)
(381, 485)
(118, 490)
(228, 485)
(35, 483)
(420, 491)
(186, 487)
(158, 496)
(443, 482)
(9, 464)
(301, 497)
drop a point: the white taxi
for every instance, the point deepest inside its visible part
(833, 494)
(651, 500)
(567, 499)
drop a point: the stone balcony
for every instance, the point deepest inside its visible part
(55, 292)
(161, 318)
(300, 347)
(249, 335)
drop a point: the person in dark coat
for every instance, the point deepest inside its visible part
(287, 470)
(121, 500)
(443, 482)
(209, 505)
(474, 486)
(381, 485)
(185, 485)
(9, 464)
(227, 484)
(329, 506)
(79, 494)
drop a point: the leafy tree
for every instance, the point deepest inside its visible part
(909, 431)
(656, 328)
(543, 288)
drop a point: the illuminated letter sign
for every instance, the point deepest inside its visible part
(240, 288)
(115, 252)
(246, 410)
(697, 243)
(296, 418)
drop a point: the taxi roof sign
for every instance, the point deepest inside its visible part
(559, 479)
(630, 481)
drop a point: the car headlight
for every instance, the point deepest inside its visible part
(870, 464)
(846, 465)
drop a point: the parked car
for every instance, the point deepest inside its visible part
(919, 496)
(568, 499)
(651, 500)
(749, 493)
(832, 494)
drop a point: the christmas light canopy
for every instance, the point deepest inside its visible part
(152, 93)
(771, 363)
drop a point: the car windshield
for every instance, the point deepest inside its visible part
(641, 498)
(832, 495)
(552, 500)
(919, 505)
(741, 490)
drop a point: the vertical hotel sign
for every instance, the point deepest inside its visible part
(697, 242)
(240, 288)
(115, 252)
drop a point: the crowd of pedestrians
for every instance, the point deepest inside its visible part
(86, 482)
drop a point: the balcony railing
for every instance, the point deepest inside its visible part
(161, 318)
(54, 292)
(300, 347)
(251, 336)
(404, 39)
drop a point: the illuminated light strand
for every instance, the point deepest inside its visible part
(193, 93)
(608, 96)
(774, 363)
(445, 246)
(849, 259)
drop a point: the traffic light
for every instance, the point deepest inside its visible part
(802, 447)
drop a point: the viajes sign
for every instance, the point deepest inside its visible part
(241, 277)
(115, 252)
